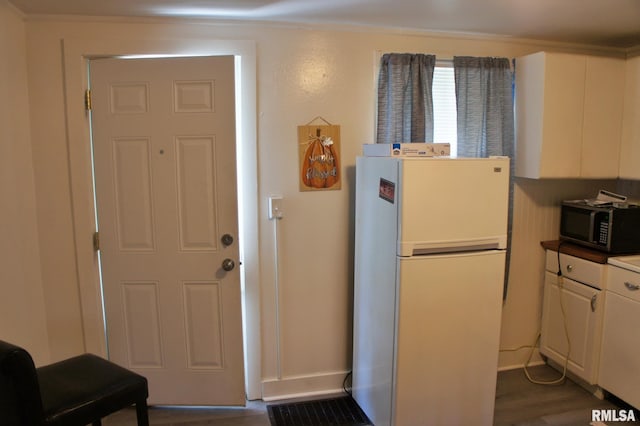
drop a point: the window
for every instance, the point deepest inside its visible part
(445, 127)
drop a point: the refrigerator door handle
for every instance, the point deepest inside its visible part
(421, 248)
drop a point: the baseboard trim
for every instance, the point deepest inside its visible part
(593, 389)
(303, 386)
(518, 366)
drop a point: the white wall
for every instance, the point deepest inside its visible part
(22, 307)
(536, 219)
(303, 72)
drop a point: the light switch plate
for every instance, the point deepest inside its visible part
(275, 207)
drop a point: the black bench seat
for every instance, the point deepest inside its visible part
(77, 391)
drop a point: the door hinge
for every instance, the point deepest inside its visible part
(87, 99)
(96, 241)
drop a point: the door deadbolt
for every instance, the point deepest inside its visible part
(227, 239)
(228, 265)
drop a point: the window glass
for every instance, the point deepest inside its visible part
(444, 106)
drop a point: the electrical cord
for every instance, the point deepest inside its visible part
(345, 387)
(561, 379)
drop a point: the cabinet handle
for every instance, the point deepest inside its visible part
(594, 298)
(569, 268)
(632, 287)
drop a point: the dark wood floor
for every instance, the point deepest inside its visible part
(518, 402)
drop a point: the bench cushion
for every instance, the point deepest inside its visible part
(85, 388)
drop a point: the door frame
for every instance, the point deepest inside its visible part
(76, 54)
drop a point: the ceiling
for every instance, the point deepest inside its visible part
(613, 23)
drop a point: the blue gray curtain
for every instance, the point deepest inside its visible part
(484, 101)
(405, 105)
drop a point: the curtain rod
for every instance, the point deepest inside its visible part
(444, 62)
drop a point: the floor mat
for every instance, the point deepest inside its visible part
(343, 411)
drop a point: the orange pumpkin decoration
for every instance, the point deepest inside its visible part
(320, 166)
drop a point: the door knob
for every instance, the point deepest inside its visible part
(228, 265)
(227, 239)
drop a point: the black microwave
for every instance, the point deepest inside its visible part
(609, 228)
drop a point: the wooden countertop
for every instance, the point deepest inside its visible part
(577, 251)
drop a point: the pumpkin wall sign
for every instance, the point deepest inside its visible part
(319, 150)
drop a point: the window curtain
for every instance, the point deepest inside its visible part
(484, 101)
(405, 105)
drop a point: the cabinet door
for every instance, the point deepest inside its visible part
(549, 107)
(630, 147)
(619, 364)
(581, 312)
(603, 105)
(569, 115)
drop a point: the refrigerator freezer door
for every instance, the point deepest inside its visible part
(452, 204)
(446, 362)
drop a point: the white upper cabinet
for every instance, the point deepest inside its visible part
(603, 112)
(568, 115)
(630, 147)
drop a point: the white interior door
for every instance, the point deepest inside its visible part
(165, 169)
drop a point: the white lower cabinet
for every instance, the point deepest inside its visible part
(572, 314)
(620, 358)
(599, 304)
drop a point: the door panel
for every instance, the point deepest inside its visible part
(134, 218)
(575, 305)
(196, 193)
(142, 324)
(164, 147)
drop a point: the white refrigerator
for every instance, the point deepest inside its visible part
(431, 235)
